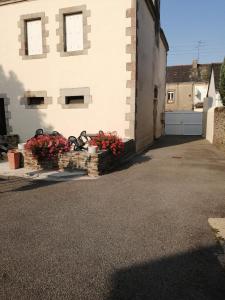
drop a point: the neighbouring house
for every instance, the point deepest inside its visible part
(213, 91)
(187, 86)
(213, 119)
(78, 65)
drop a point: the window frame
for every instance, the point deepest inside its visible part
(61, 47)
(35, 94)
(23, 38)
(169, 100)
(75, 92)
(27, 37)
(65, 31)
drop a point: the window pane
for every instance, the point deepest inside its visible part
(35, 100)
(74, 99)
(170, 96)
(74, 32)
(34, 37)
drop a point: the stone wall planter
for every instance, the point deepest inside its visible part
(30, 162)
(96, 164)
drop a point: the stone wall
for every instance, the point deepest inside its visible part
(219, 128)
(32, 163)
(95, 164)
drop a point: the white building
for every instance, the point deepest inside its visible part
(73, 65)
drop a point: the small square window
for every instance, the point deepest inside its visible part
(170, 97)
(35, 100)
(74, 100)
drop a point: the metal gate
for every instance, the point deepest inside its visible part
(183, 123)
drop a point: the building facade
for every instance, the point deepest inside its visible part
(187, 86)
(76, 65)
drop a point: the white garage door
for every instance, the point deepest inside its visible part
(183, 123)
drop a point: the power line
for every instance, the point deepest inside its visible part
(194, 53)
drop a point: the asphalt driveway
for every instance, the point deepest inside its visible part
(139, 233)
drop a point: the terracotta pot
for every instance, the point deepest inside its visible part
(14, 159)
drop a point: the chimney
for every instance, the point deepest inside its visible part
(195, 64)
(194, 72)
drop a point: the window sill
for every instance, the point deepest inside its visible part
(38, 56)
(74, 53)
(42, 106)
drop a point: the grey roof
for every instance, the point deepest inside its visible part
(187, 73)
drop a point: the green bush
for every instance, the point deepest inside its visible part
(222, 83)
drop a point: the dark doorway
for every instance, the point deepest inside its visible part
(155, 111)
(3, 130)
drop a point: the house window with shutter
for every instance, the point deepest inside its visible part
(73, 31)
(33, 36)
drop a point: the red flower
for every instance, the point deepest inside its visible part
(47, 146)
(108, 141)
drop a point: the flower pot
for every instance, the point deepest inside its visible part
(21, 146)
(13, 159)
(92, 149)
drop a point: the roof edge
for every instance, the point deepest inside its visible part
(164, 39)
(152, 9)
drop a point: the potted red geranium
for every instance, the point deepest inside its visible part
(108, 141)
(47, 147)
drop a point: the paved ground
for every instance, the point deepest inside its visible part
(139, 233)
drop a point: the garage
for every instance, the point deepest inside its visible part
(183, 123)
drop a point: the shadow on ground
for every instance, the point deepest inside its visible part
(195, 275)
(18, 184)
(173, 140)
(136, 160)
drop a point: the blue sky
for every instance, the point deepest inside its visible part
(186, 22)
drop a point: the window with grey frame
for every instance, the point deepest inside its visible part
(73, 31)
(170, 97)
(33, 36)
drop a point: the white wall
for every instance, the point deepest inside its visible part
(151, 73)
(210, 125)
(212, 93)
(161, 82)
(145, 83)
(200, 92)
(103, 69)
